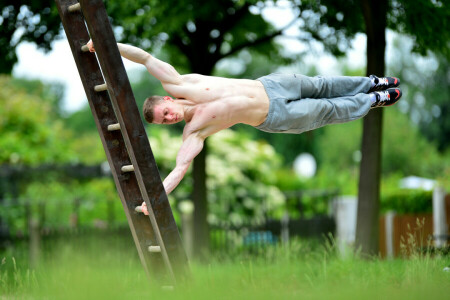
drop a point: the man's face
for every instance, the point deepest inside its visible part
(168, 112)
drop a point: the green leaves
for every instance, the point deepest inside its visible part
(407, 202)
(28, 134)
(29, 20)
(428, 22)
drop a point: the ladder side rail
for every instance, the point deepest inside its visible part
(113, 143)
(135, 136)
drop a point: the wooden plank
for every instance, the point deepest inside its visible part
(135, 137)
(113, 142)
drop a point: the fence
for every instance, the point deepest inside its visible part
(36, 223)
(401, 234)
(226, 237)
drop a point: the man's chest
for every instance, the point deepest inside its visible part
(209, 118)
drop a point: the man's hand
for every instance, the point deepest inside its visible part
(90, 45)
(144, 208)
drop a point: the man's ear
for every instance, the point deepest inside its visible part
(168, 98)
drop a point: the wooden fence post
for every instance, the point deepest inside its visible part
(187, 223)
(439, 217)
(389, 233)
(34, 235)
(75, 215)
(285, 228)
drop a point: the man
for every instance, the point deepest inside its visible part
(274, 103)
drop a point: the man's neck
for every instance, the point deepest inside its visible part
(189, 111)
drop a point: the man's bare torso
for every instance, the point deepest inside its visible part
(217, 103)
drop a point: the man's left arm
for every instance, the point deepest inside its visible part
(190, 148)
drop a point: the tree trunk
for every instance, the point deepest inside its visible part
(370, 169)
(201, 228)
(202, 65)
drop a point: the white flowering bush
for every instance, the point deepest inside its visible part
(241, 179)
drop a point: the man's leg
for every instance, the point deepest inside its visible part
(314, 113)
(333, 86)
(297, 116)
(311, 113)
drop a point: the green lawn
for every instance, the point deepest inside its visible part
(109, 269)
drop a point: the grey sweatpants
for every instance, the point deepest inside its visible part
(300, 103)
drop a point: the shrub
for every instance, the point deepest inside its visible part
(407, 201)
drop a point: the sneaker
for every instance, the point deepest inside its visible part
(383, 83)
(387, 97)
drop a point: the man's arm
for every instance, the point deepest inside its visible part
(163, 71)
(190, 148)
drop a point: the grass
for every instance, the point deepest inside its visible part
(108, 268)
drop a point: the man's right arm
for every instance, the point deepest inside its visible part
(162, 71)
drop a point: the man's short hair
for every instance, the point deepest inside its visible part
(149, 105)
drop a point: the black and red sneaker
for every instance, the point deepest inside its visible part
(383, 83)
(387, 97)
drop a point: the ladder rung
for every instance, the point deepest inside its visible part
(101, 87)
(127, 168)
(85, 48)
(113, 127)
(74, 7)
(154, 249)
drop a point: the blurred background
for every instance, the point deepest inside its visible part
(261, 189)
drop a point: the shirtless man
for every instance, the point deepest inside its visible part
(275, 103)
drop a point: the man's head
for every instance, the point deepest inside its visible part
(162, 110)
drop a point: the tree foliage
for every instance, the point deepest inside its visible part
(35, 21)
(426, 21)
(426, 83)
(196, 34)
(29, 135)
(397, 143)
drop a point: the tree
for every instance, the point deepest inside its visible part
(29, 133)
(435, 123)
(428, 90)
(34, 21)
(29, 136)
(335, 22)
(401, 16)
(379, 15)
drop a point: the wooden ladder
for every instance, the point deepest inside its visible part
(124, 139)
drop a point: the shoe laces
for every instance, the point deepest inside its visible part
(384, 96)
(382, 81)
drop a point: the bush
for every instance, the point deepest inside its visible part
(407, 201)
(29, 134)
